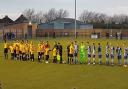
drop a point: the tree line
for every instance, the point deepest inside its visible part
(99, 20)
(43, 17)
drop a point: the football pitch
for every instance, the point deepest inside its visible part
(33, 75)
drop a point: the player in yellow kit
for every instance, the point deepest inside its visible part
(42, 49)
(47, 49)
(17, 52)
(32, 51)
(23, 52)
(20, 50)
(71, 52)
(14, 48)
(12, 51)
(39, 51)
(27, 50)
(5, 49)
(54, 52)
(17, 49)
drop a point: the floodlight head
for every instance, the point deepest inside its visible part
(30, 23)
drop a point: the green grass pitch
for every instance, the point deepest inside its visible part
(34, 75)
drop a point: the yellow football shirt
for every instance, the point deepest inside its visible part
(54, 52)
(5, 45)
(71, 49)
(47, 51)
(11, 49)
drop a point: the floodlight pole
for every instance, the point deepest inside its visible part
(75, 20)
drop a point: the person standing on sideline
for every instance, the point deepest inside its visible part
(107, 54)
(75, 60)
(60, 50)
(100, 53)
(94, 53)
(5, 49)
(82, 53)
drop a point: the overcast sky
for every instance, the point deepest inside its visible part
(13, 8)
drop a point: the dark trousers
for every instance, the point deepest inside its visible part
(23, 56)
(55, 59)
(20, 55)
(6, 53)
(42, 56)
(17, 56)
(12, 56)
(46, 57)
(68, 58)
(61, 59)
(32, 57)
(39, 56)
(14, 53)
(27, 56)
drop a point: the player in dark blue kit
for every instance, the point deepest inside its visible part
(94, 53)
(100, 53)
(125, 55)
(112, 54)
(119, 55)
(107, 54)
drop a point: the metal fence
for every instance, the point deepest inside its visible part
(16, 34)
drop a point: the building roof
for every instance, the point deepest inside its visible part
(6, 20)
(65, 20)
(21, 19)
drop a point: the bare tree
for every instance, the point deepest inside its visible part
(119, 19)
(34, 16)
(53, 14)
(29, 14)
(92, 17)
(38, 18)
(62, 13)
(86, 16)
(50, 15)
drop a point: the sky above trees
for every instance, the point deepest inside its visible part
(13, 8)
